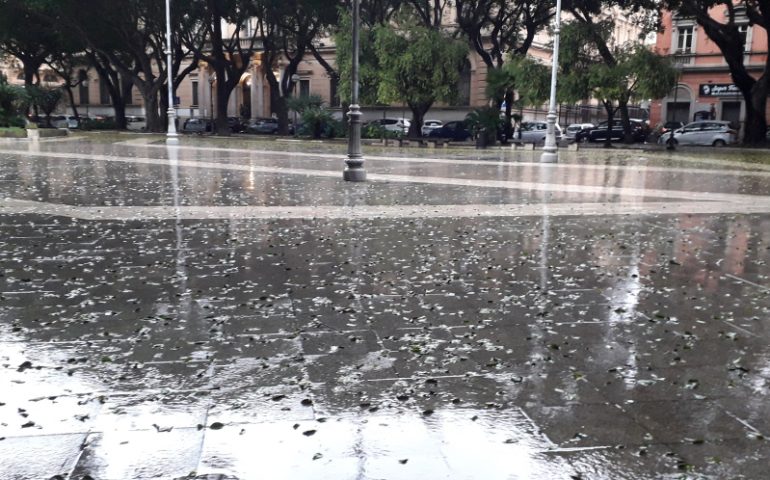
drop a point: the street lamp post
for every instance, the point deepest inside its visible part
(171, 135)
(550, 151)
(354, 169)
(294, 81)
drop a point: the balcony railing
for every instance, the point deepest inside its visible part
(683, 58)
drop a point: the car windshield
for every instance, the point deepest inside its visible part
(530, 126)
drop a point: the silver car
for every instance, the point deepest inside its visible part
(708, 132)
(533, 132)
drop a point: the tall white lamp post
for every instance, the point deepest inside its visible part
(171, 135)
(550, 150)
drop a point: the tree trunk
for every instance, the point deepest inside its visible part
(281, 110)
(119, 107)
(71, 97)
(755, 128)
(625, 121)
(152, 113)
(610, 112)
(418, 117)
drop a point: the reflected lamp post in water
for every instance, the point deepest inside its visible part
(550, 150)
(354, 169)
(171, 135)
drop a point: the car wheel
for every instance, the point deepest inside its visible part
(719, 143)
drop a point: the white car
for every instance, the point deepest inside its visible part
(136, 123)
(710, 132)
(533, 132)
(429, 125)
(400, 125)
(65, 121)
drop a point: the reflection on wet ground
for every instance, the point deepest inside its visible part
(620, 341)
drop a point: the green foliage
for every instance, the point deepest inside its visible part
(485, 121)
(635, 73)
(374, 130)
(368, 71)
(14, 102)
(301, 104)
(13, 132)
(418, 65)
(317, 120)
(528, 77)
(46, 99)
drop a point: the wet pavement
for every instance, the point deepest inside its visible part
(234, 310)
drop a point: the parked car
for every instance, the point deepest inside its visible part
(136, 123)
(639, 131)
(712, 132)
(400, 125)
(236, 125)
(263, 125)
(456, 131)
(576, 131)
(65, 121)
(267, 126)
(429, 125)
(533, 132)
(197, 125)
(671, 125)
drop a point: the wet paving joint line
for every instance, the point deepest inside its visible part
(743, 280)
(575, 449)
(742, 422)
(366, 212)
(741, 329)
(562, 188)
(495, 163)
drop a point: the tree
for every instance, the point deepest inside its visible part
(46, 99)
(723, 30)
(636, 73)
(530, 79)
(288, 30)
(596, 27)
(500, 30)
(17, 37)
(228, 51)
(127, 37)
(418, 66)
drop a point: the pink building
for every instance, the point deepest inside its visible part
(705, 87)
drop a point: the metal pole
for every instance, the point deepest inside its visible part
(171, 135)
(550, 151)
(354, 169)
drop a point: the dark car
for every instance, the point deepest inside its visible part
(263, 125)
(197, 125)
(236, 125)
(456, 131)
(639, 131)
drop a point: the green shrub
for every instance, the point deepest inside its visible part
(374, 130)
(98, 124)
(485, 121)
(14, 102)
(13, 132)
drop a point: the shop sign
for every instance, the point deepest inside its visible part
(718, 89)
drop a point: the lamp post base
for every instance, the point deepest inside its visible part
(549, 157)
(354, 174)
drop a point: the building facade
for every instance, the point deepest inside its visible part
(705, 88)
